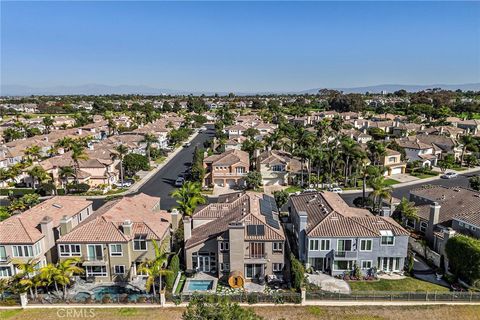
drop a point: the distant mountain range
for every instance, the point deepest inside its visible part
(100, 89)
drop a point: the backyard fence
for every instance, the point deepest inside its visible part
(251, 297)
(395, 296)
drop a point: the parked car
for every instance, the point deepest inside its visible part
(336, 190)
(179, 182)
(186, 145)
(449, 175)
(126, 183)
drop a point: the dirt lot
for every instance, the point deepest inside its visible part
(278, 312)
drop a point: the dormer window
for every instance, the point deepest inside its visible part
(140, 243)
(387, 238)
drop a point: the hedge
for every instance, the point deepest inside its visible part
(23, 191)
(463, 254)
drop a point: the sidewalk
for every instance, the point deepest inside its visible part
(411, 183)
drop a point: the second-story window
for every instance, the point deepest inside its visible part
(69, 250)
(365, 245)
(313, 245)
(387, 238)
(278, 247)
(224, 246)
(278, 167)
(140, 243)
(116, 250)
(240, 169)
(392, 159)
(22, 251)
(325, 245)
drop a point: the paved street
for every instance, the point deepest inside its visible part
(460, 181)
(161, 184)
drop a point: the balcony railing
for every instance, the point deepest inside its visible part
(256, 256)
(345, 254)
(6, 259)
(94, 258)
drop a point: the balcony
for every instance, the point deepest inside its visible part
(89, 260)
(345, 254)
(256, 256)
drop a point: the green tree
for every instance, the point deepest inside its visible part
(297, 272)
(188, 197)
(24, 277)
(120, 152)
(64, 173)
(474, 182)
(134, 162)
(149, 139)
(381, 191)
(47, 123)
(463, 254)
(448, 162)
(66, 269)
(156, 268)
(78, 153)
(33, 152)
(281, 198)
(253, 180)
(38, 174)
(407, 209)
(468, 143)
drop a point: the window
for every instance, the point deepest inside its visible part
(410, 223)
(3, 254)
(388, 264)
(95, 252)
(5, 272)
(387, 238)
(392, 159)
(460, 223)
(224, 267)
(344, 245)
(116, 250)
(22, 251)
(325, 245)
(119, 269)
(423, 226)
(278, 247)
(365, 245)
(277, 267)
(366, 264)
(257, 250)
(313, 245)
(140, 243)
(96, 271)
(224, 246)
(240, 169)
(69, 250)
(343, 265)
(278, 168)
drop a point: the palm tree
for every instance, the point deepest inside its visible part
(149, 138)
(156, 267)
(33, 152)
(469, 143)
(49, 274)
(120, 152)
(188, 197)
(251, 145)
(64, 173)
(37, 173)
(65, 270)
(407, 209)
(24, 277)
(380, 191)
(4, 286)
(78, 153)
(48, 123)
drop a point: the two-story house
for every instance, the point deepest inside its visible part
(240, 233)
(335, 238)
(417, 150)
(227, 169)
(114, 241)
(32, 234)
(277, 167)
(392, 162)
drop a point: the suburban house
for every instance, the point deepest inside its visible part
(227, 169)
(240, 233)
(417, 150)
(32, 234)
(235, 130)
(235, 143)
(440, 208)
(117, 238)
(335, 238)
(393, 163)
(277, 167)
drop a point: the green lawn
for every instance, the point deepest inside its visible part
(293, 189)
(407, 284)
(391, 182)
(181, 282)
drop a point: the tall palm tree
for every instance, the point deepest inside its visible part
(120, 152)
(251, 145)
(188, 197)
(156, 268)
(65, 173)
(367, 172)
(33, 152)
(149, 138)
(49, 274)
(381, 191)
(469, 143)
(66, 269)
(78, 153)
(37, 173)
(48, 123)
(24, 277)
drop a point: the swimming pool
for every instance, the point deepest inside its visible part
(192, 285)
(114, 292)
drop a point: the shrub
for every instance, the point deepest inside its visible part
(297, 271)
(134, 162)
(78, 187)
(463, 254)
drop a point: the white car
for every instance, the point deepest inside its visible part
(336, 190)
(126, 184)
(179, 182)
(449, 175)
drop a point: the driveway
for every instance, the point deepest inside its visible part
(328, 283)
(402, 177)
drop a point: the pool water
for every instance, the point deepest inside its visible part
(200, 285)
(114, 292)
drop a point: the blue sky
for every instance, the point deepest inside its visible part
(239, 46)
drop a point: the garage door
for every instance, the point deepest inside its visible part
(396, 170)
(231, 183)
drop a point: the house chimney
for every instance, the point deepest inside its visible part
(175, 218)
(302, 227)
(433, 219)
(187, 228)
(46, 227)
(127, 228)
(65, 225)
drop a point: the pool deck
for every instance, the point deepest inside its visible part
(203, 277)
